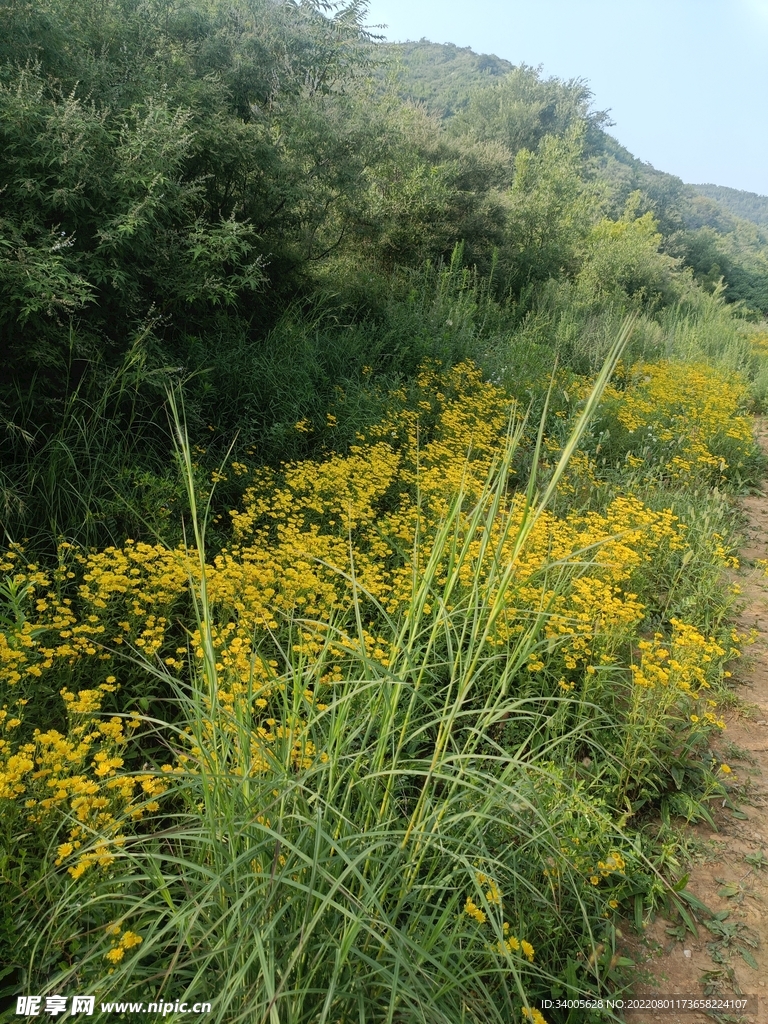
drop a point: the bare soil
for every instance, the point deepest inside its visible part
(728, 875)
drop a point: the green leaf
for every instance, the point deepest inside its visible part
(638, 911)
(747, 957)
(688, 919)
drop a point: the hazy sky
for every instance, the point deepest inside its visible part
(686, 81)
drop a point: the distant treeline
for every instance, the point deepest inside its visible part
(747, 205)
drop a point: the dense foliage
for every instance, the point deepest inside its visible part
(363, 646)
(747, 205)
(734, 246)
(441, 76)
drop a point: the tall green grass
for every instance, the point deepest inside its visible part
(92, 466)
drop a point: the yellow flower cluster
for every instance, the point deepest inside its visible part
(77, 778)
(571, 851)
(312, 543)
(311, 540)
(126, 940)
(759, 341)
(492, 893)
(533, 1015)
(510, 943)
(686, 418)
(296, 536)
(472, 910)
(614, 863)
(678, 663)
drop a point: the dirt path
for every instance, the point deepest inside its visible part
(731, 873)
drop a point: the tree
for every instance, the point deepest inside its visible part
(164, 159)
(523, 108)
(550, 209)
(623, 261)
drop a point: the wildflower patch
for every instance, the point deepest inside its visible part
(529, 647)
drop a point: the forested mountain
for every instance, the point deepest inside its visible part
(710, 228)
(440, 75)
(746, 205)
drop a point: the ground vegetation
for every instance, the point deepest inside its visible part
(367, 467)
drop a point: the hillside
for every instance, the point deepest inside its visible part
(746, 205)
(716, 231)
(441, 75)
